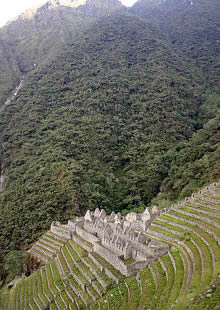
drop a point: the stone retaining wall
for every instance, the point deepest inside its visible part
(96, 288)
(205, 219)
(80, 243)
(61, 231)
(112, 258)
(41, 258)
(111, 275)
(161, 236)
(96, 262)
(86, 235)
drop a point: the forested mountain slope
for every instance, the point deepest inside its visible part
(113, 119)
(38, 33)
(191, 26)
(9, 71)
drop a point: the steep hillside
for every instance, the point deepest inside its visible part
(111, 111)
(99, 119)
(37, 34)
(191, 27)
(9, 71)
(187, 277)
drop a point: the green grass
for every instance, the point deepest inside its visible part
(40, 289)
(114, 299)
(52, 241)
(93, 292)
(191, 218)
(206, 255)
(161, 283)
(68, 257)
(179, 277)
(170, 282)
(45, 286)
(124, 295)
(100, 288)
(49, 251)
(104, 303)
(135, 292)
(166, 233)
(60, 303)
(109, 282)
(53, 306)
(211, 196)
(105, 264)
(40, 253)
(148, 288)
(66, 298)
(50, 246)
(79, 250)
(215, 219)
(88, 244)
(35, 283)
(55, 238)
(92, 265)
(86, 270)
(12, 299)
(199, 207)
(205, 202)
(77, 272)
(56, 276)
(63, 262)
(51, 280)
(212, 242)
(73, 253)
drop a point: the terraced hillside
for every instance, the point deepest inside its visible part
(187, 277)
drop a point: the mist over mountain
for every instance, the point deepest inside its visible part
(119, 109)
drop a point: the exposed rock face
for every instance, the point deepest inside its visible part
(116, 238)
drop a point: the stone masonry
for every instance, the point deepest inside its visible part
(121, 240)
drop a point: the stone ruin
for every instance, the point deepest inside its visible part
(121, 240)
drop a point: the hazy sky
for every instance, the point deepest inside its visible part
(12, 8)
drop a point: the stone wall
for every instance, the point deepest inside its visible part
(80, 243)
(86, 235)
(112, 258)
(56, 228)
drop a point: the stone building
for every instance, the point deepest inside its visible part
(118, 239)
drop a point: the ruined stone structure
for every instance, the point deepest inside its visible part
(122, 241)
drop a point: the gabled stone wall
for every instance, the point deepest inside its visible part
(115, 237)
